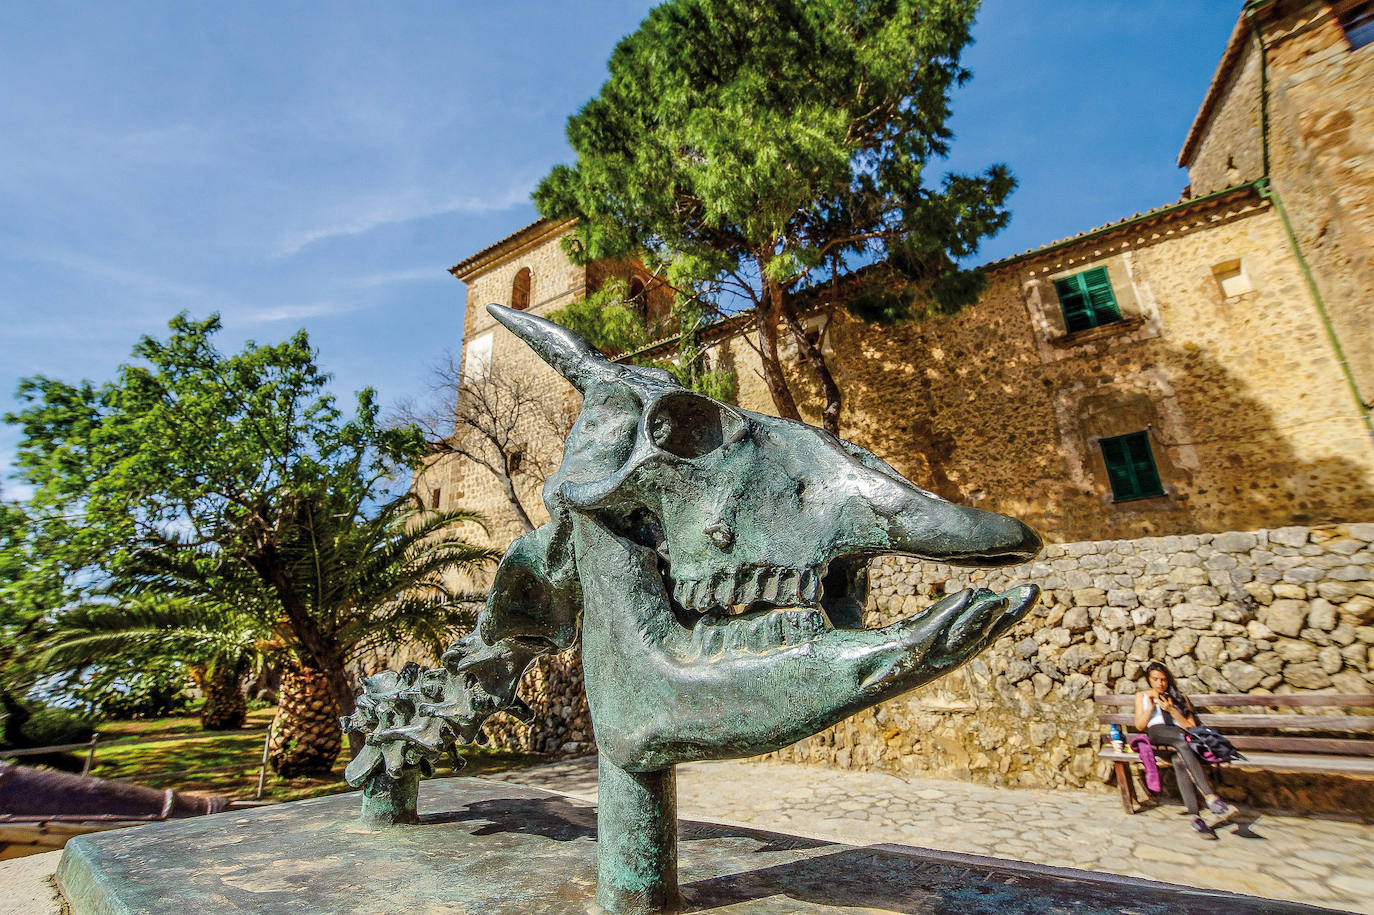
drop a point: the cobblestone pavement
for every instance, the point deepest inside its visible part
(1317, 861)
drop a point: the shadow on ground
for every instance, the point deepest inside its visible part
(826, 876)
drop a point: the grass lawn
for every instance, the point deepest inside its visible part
(176, 753)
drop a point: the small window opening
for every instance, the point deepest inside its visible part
(517, 460)
(435, 498)
(1232, 279)
(520, 290)
(1087, 300)
(1131, 467)
(1357, 21)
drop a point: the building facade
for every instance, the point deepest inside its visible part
(1179, 401)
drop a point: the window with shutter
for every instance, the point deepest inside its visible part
(1357, 20)
(1087, 299)
(1131, 467)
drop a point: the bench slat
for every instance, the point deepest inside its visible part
(1319, 700)
(1278, 762)
(1283, 722)
(1304, 744)
(1299, 744)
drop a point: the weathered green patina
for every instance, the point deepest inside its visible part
(714, 562)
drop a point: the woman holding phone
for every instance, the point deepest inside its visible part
(1163, 712)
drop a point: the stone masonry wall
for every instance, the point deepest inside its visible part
(1321, 109)
(1279, 610)
(1249, 418)
(554, 282)
(1229, 149)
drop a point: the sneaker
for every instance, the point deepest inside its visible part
(1201, 828)
(1221, 808)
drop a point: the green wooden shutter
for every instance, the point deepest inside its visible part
(1118, 468)
(1073, 299)
(1087, 299)
(1143, 463)
(1131, 467)
(1100, 297)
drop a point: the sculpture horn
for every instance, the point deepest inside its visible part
(569, 355)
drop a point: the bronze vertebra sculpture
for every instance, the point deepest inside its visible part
(714, 562)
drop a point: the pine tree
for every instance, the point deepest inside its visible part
(755, 150)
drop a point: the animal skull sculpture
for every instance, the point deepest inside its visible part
(714, 562)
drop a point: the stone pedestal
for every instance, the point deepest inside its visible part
(498, 849)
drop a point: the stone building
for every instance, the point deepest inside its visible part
(1178, 400)
(530, 271)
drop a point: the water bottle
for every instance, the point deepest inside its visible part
(1118, 738)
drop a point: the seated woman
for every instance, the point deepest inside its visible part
(1163, 712)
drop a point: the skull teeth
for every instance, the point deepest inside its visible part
(758, 632)
(776, 585)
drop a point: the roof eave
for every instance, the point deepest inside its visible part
(1159, 213)
(1235, 45)
(534, 231)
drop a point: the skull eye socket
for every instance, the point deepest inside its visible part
(691, 426)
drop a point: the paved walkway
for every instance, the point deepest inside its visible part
(1309, 860)
(1323, 862)
(26, 885)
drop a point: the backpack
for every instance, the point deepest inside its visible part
(1211, 746)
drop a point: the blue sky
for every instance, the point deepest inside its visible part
(321, 165)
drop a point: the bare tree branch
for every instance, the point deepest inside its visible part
(503, 420)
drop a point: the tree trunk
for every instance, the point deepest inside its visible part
(225, 707)
(767, 313)
(508, 487)
(306, 737)
(830, 416)
(345, 695)
(318, 649)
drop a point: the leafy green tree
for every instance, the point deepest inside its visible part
(753, 150)
(33, 581)
(117, 688)
(607, 321)
(238, 468)
(216, 643)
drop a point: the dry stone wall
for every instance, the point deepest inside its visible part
(1275, 610)
(562, 725)
(1267, 611)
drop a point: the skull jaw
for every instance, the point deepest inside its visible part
(654, 704)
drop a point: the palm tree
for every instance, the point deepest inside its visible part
(218, 642)
(370, 582)
(359, 581)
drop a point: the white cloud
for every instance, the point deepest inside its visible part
(414, 275)
(147, 283)
(407, 209)
(274, 313)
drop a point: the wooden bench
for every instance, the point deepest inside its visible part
(1322, 737)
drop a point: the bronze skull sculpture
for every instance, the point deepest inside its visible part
(713, 562)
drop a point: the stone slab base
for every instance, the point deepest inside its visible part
(499, 849)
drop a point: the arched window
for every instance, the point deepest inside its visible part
(639, 297)
(520, 290)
